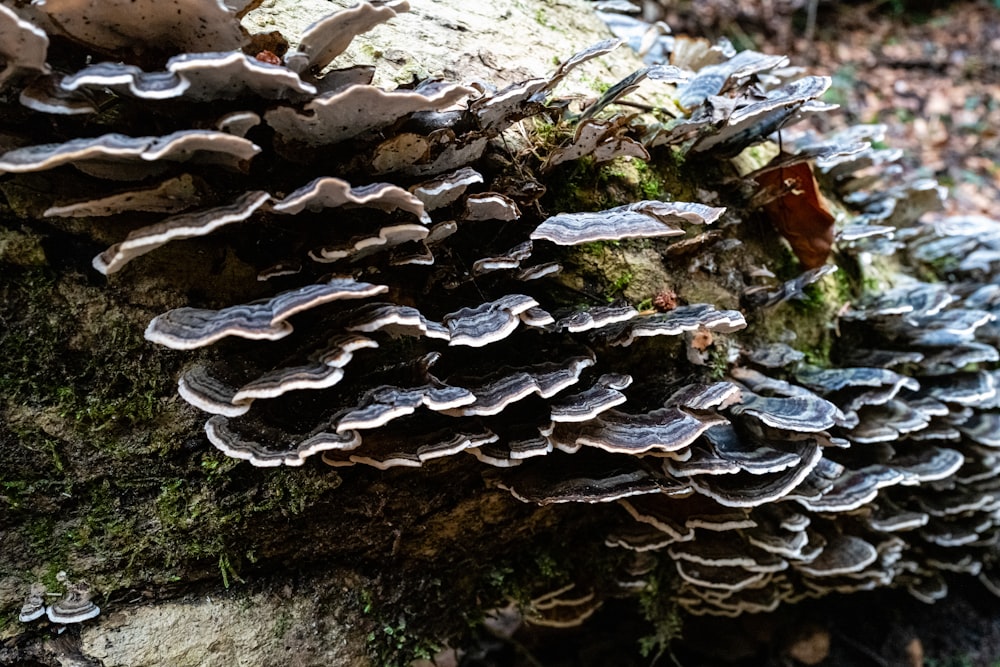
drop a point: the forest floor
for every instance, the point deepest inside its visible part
(931, 74)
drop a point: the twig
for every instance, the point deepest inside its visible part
(811, 19)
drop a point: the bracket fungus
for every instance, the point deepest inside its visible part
(147, 24)
(199, 77)
(334, 117)
(644, 219)
(34, 604)
(103, 156)
(23, 45)
(328, 38)
(758, 480)
(74, 606)
(189, 328)
(183, 226)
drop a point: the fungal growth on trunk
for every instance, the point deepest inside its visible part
(74, 605)
(421, 298)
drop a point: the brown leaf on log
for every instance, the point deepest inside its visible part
(799, 212)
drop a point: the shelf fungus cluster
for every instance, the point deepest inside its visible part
(73, 605)
(413, 304)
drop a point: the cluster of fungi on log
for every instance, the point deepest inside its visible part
(413, 309)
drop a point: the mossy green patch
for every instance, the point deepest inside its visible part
(21, 248)
(659, 606)
(808, 324)
(605, 271)
(542, 19)
(400, 631)
(586, 185)
(94, 369)
(96, 480)
(718, 362)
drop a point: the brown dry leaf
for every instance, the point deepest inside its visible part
(799, 212)
(915, 653)
(811, 647)
(701, 340)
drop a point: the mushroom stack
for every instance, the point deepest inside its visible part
(409, 306)
(811, 482)
(438, 389)
(74, 605)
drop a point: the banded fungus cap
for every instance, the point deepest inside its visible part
(34, 604)
(23, 46)
(140, 25)
(75, 605)
(644, 219)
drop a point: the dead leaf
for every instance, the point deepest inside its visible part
(915, 652)
(701, 340)
(811, 646)
(799, 212)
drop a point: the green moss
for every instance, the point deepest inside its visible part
(206, 524)
(610, 270)
(818, 297)
(410, 71)
(394, 639)
(545, 134)
(651, 183)
(941, 267)
(599, 86)
(227, 571)
(21, 248)
(52, 577)
(619, 284)
(94, 477)
(548, 567)
(630, 179)
(39, 531)
(541, 18)
(598, 248)
(575, 188)
(658, 606)
(371, 51)
(807, 323)
(399, 631)
(585, 185)
(718, 362)
(98, 372)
